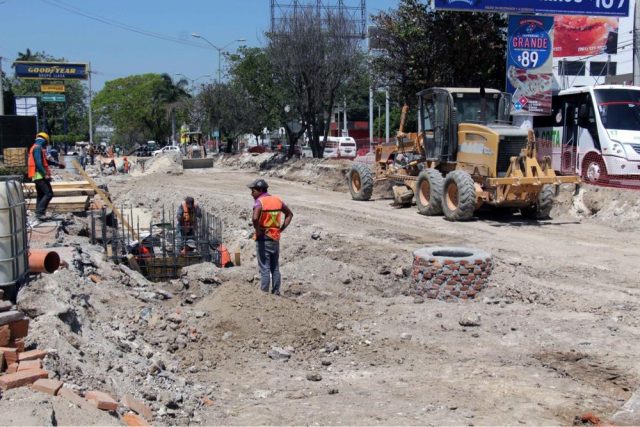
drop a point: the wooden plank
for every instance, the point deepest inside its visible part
(64, 204)
(65, 192)
(105, 198)
(61, 184)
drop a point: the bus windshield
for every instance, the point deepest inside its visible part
(619, 108)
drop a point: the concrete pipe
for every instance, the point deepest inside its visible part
(43, 261)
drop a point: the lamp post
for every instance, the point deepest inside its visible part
(219, 49)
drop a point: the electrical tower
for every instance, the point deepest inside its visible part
(282, 11)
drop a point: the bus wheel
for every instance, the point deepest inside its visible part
(594, 169)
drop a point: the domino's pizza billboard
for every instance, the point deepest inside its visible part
(544, 7)
(530, 64)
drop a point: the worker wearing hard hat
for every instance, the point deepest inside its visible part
(38, 171)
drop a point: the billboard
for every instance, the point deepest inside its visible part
(50, 70)
(530, 64)
(584, 36)
(544, 7)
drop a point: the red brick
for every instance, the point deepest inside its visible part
(19, 328)
(463, 262)
(32, 355)
(464, 288)
(455, 293)
(478, 262)
(5, 335)
(47, 386)
(449, 262)
(138, 406)
(17, 344)
(131, 419)
(432, 294)
(21, 378)
(73, 397)
(10, 355)
(101, 400)
(12, 368)
(471, 293)
(29, 364)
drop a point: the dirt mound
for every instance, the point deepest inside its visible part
(249, 160)
(244, 318)
(168, 163)
(326, 173)
(615, 207)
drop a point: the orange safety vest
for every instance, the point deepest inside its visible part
(270, 217)
(31, 163)
(187, 218)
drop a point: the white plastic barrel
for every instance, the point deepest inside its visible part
(13, 237)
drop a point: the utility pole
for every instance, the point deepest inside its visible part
(345, 131)
(386, 111)
(371, 116)
(1, 91)
(90, 115)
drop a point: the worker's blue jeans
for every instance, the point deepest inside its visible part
(268, 254)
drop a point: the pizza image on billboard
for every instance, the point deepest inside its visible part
(583, 35)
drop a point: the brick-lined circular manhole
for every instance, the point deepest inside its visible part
(450, 273)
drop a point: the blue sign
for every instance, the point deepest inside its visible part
(530, 64)
(544, 7)
(50, 70)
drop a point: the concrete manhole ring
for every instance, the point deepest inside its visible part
(450, 273)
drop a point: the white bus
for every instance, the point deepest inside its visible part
(593, 131)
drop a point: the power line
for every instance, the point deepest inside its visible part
(122, 26)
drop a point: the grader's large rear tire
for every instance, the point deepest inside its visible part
(542, 209)
(360, 182)
(429, 192)
(459, 199)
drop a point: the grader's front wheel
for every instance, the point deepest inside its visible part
(542, 209)
(459, 200)
(360, 182)
(429, 192)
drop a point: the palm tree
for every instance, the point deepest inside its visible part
(171, 94)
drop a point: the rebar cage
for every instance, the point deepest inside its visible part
(160, 249)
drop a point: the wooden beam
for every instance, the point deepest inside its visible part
(105, 198)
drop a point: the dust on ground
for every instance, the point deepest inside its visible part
(347, 343)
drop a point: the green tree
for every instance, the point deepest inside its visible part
(421, 48)
(136, 106)
(230, 110)
(253, 72)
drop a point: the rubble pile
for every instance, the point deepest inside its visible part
(166, 163)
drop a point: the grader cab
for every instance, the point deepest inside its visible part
(464, 155)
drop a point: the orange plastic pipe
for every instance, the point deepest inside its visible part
(43, 261)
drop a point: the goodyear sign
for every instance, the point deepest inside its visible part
(51, 70)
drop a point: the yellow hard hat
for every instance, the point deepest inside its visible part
(44, 136)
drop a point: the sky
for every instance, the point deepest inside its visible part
(111, 34)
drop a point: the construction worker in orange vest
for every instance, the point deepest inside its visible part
(38, 171)
(268, 225)
(187, 217)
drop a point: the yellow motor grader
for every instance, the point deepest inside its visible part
(464, 155)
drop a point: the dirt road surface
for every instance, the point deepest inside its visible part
(347, 343)
(556, 337)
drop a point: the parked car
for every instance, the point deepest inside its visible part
(167, 149)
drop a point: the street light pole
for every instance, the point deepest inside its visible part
(219, 49)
